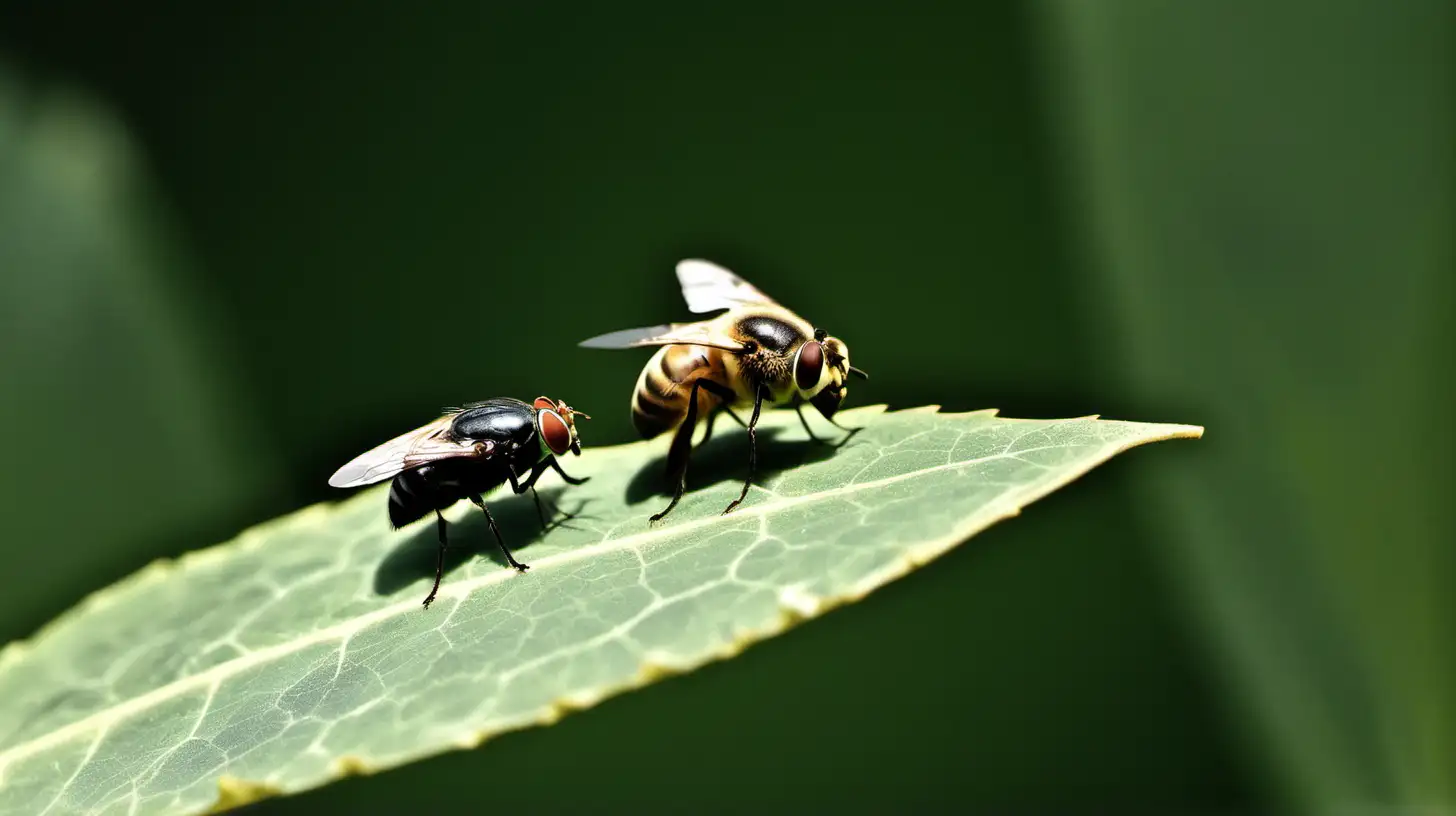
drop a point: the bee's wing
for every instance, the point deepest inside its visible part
(708, 287)
(424, 444)
(668, 334)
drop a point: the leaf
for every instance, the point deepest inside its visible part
(299, 653)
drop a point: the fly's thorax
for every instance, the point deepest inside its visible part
(502, 421)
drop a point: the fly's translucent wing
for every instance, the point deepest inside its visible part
(668, 334)
(708, 287)
(425, 444)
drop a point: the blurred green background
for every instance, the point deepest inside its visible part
(238, 244)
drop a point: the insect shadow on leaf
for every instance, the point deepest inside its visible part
(720, 459)
(470, 537)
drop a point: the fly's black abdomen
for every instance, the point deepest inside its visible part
(405, 502)
(416, 493)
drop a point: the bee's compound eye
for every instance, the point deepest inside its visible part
(810, 366)
(554, 431)
(544, 404)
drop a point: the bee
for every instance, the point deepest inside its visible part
(464, 454)
(756, 352)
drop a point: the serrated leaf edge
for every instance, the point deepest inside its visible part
(235, 792)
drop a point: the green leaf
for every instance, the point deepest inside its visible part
(299, 653)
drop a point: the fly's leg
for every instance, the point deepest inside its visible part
(510, 559)
(518, 488)
(571, 480)
(439, 559)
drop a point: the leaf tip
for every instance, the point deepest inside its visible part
(233, 792)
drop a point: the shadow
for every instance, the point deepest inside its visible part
(470, 537)
(725, 459)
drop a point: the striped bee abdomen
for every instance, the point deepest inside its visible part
(660, 401)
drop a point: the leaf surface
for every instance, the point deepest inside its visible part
(299, 652)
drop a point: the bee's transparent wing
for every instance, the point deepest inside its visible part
(708, 287)
(425, 444)
(668, 334)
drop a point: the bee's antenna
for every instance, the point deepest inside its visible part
(862, 375)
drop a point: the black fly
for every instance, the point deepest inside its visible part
(463, 455)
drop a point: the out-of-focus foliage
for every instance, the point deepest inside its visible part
(1232, 213)
(115, 425)
(1270, 208)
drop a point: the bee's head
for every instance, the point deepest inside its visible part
(821, 367)
(556, 427)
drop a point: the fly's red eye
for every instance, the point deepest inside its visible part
(809, 366)
(544, 404)
(555, 431)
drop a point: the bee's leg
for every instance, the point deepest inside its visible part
(799, 409)
(511, 559)
(752, 449)
(677, 455)
(682, 443)
(439, 559)
(849, 431)
(708, 427)
(713, 417)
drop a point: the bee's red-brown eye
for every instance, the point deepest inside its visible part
(809, 366)
(554, 431)
(544, 404)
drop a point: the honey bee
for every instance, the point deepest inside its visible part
(756, 352)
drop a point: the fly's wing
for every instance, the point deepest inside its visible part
(708, 287)
(669, 334)
(425, 444)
